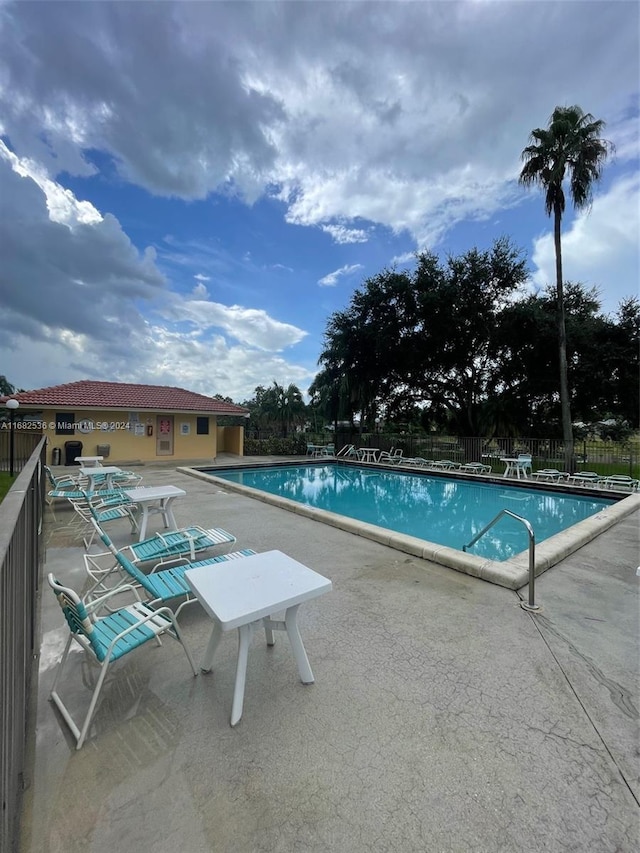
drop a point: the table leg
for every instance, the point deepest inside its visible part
(143, 523)
(212, 645)
(268, 630)
(167, 514)
(244, 640)
(299, 653)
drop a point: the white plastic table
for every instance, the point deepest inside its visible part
(516, 466)
(106, 471)
(368, 454)
(155, 499)
(90, 461)
(243, 593)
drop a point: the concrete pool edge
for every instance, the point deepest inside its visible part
(512, 574)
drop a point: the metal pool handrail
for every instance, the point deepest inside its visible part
(531, 604)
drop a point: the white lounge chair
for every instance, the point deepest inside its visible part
(476, 468)
(391, 457)
(347, 452)
(621, 482)
(551, 475)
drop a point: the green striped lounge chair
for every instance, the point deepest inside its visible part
(106, 639)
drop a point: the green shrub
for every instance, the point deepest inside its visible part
(275, 446)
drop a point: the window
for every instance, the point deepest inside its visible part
(65, 423)
(202, 426)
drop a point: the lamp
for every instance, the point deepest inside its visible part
(12, 405)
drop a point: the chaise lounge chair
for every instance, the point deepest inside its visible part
(347, 452)
(165, 584)
(551, 475)
(476, 468)
(175, 547)
(391, 457)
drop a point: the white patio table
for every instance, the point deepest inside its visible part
(244, 592)
(155, 499)
(90, 461)
(516, 466)
(368, 454)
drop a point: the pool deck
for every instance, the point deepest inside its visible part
(444, 717)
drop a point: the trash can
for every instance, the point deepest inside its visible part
(104, 450)
(56, 455)
(71, 450)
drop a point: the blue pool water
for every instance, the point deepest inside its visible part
(446, 511)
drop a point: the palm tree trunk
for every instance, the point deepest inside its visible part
(565, 404)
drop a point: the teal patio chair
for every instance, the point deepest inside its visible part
(175, 547)
(103, 507)
(106, 639)
(162, 585)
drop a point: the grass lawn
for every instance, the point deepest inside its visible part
(5, 483)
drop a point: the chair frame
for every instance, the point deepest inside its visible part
(141, 624)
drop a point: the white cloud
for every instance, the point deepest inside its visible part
(342, 235)
(406, 115)
(73, 287)
(331, 279)
(600, 248)
(398, 114)
(250, 326)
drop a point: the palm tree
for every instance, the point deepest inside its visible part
(290, 407)
(569, 147)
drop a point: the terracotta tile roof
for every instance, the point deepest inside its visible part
(88, 394)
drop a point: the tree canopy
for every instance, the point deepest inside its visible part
(460, 345)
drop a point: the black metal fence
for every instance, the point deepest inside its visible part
(21, 557)
(601, 456)
(24, 443)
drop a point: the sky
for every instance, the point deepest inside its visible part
(188, 191)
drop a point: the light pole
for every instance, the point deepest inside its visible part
(12, 405)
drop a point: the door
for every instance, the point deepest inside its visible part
(164, 435)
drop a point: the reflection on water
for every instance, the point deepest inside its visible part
(446, 511)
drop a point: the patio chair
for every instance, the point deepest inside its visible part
(175, 547)
(524, 463)
(166, 584)
(347, 452)
(476, 468)
(445, 465)
(549, 474)
(391, 457)
(418, 461)
(585, 478)
(96, 506)
(621, 482)
(62, 483)
(106, 639)
(327, 450)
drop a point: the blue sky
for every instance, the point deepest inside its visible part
(189, 190)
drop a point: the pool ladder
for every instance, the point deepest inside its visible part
(531, 604)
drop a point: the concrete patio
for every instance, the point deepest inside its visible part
(444, 717)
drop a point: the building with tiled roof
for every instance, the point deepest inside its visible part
(129, 422)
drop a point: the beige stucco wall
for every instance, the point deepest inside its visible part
(129, 440)
(231, 440)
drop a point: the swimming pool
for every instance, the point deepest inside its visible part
(441, 510)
